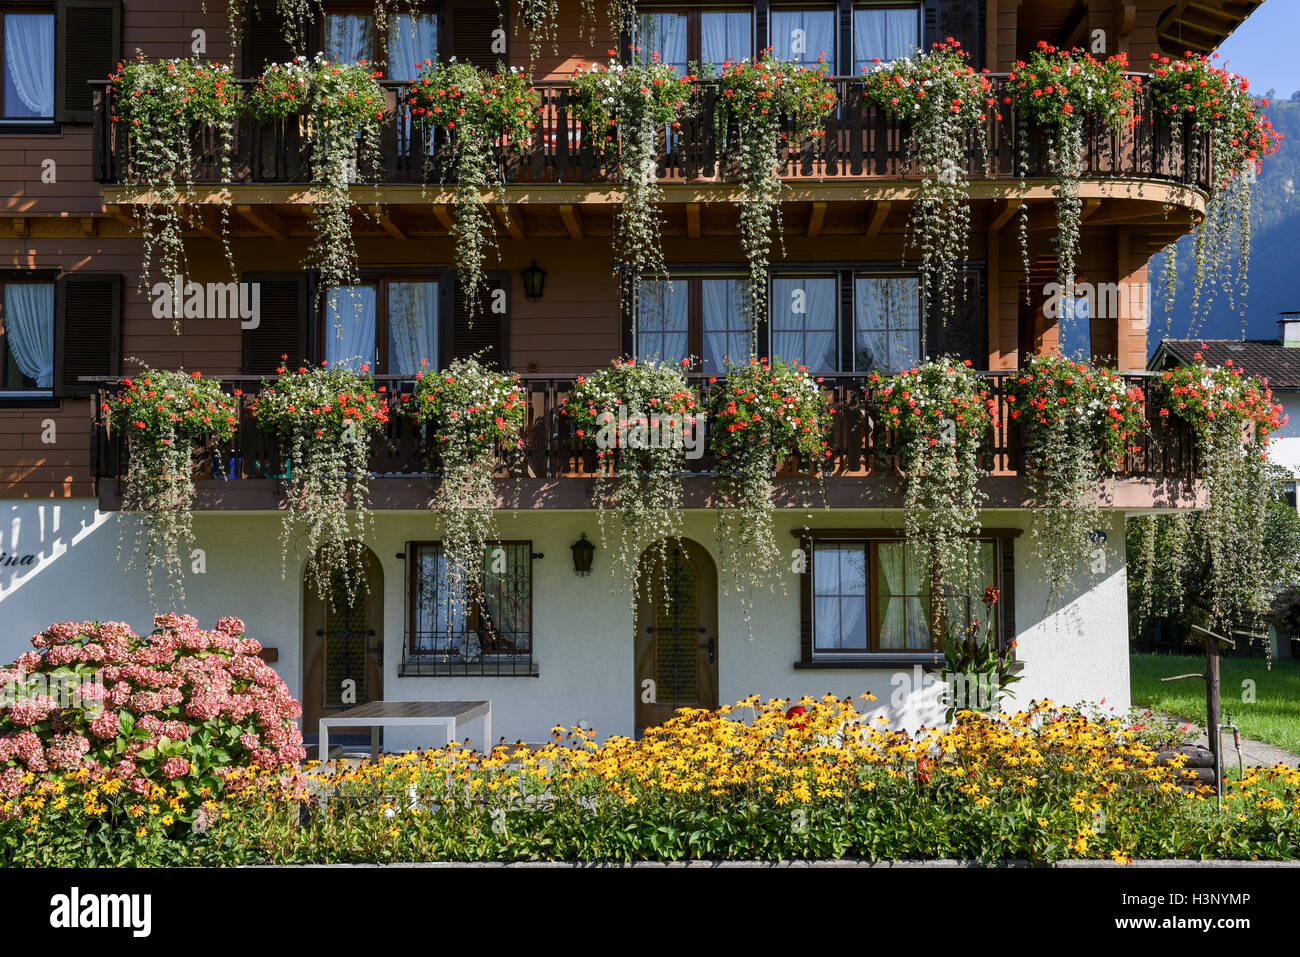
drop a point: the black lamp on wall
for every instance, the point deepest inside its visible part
(583, 553)
(534, 279)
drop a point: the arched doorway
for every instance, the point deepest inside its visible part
(343, 646)
(676, 643)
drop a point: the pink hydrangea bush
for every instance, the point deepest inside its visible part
(180, 702)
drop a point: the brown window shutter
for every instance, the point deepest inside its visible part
(87, 330)
(266, 39)
(282, 329)
(87, 46)
(1007, 597)
(487, 334)
(470, 30)
(963, 332)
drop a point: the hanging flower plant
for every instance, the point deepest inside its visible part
(1233, 416)
(1054, 90)
(939, 414)
(762, 413)
(478, 111)
(478, 418)
(946, 103)
(541, 19)
(1080, 423)
(324, 418)
(161, 102)
(1217, 103)
(343, 106)
(976, 664)
(644, 101)
(639, 416)
(756, 95)
(166, 418)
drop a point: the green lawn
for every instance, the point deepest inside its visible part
(1273, 716)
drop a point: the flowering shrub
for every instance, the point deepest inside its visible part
(643, 100)
(476, 414)
(165, 418)
(939, 413)
(325, 418)
(161, 102)
(640, 416)
(762, 413)
(174, 709)
(1219, 103)
(1080, 422)
(755, 94)
(945, 101)
(1053, 90)
(976, 664)
(479, 111)
(344, 106)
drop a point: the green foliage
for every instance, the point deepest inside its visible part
(975, 662)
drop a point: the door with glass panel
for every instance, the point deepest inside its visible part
(389, 324)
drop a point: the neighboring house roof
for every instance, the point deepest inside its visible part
(1258, 357)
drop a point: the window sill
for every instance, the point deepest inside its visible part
(38, 128)
(435, 666)
(881, 661)
(28, 399)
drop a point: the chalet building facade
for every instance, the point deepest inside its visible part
(578, 652)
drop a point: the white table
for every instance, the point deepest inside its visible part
(388, 714)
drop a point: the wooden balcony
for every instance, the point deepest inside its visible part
(558, 468)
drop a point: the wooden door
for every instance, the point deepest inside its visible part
(343, 647)
(676, 642)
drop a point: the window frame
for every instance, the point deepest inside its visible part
(695, 25)
(380, 279)
(378, 50)
(833, 57)
(864, 5)
(30, 124)
(29, 276)
(694, 280)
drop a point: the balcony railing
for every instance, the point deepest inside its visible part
(860, 143)
(860, 446)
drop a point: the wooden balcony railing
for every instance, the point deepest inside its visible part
(860, 446)
(860, 143)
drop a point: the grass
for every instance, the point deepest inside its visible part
(1273, 716)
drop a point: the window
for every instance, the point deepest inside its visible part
(693, 316)
(875, 596)
(1074, 327)
(804, 35)
(884, 33)
(411, 41)
(706, 37)
(805, 321)
(399, 312)
(26, 336)
(494, 631)
(27, 39)
(349, 37)
(886, 323)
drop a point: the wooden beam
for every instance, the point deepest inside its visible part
(879, 213)
(88, 226)
(20, 225)
(693, 220)
(1090, 206)
(1004, 215)
(118, 213)
(267, 220)
(206, 220)
(443, 215)
(514, 225)
(815, 220)
(572, 217)
(1125, 18)
(392, 221)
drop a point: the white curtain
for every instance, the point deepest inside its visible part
(665, 34)
(505, 597)
(726, 332)
(904, 622)
(29, 329)
(887, 323)
(29, 65)
(349, 37)
(803, 322)
(412, 327)
(804, 35)
(886, 34)
(725, 35)
(661, 321)
(411, 41)
(840, 590)
(350, 327)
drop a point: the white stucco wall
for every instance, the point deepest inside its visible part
(1285, 447)
(582, 632)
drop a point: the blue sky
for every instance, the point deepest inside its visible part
(1264, 48)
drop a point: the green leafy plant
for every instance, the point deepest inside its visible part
(639, 416)
(324, 418)
(343, 108)
(478, 418)
(756, 95)
(166, 419)
(939, 414)
(632, 106)
(477, 110)
(1054, 90)
(162, 102)
(762, 413)
(1079, 423)
(945, 104)
(977, 663)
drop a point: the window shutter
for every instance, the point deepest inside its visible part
(962, 20)
(87, 46)
(760, 26)
(963, 332)
(848, 322)
(628, 286)
(87, 330)
(1007, 598)
(845, 40)
(487, 334)
(266, 38)
(805, 602)
(470, 34)
(283, 300)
